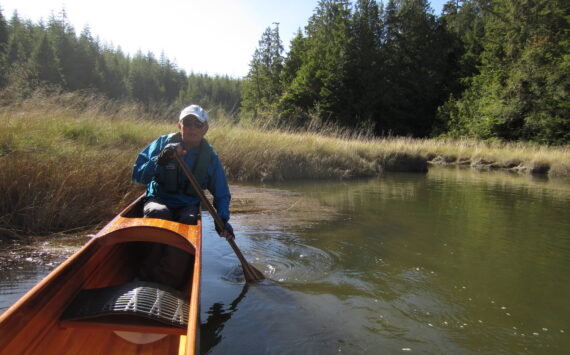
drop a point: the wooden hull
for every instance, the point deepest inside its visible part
(33, 324)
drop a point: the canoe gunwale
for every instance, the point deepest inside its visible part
(39, 309)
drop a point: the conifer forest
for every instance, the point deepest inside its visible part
(483, 69)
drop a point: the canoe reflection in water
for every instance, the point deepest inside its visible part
(211, 329)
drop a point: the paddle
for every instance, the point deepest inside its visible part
(250, 272)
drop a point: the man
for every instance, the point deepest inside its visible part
(169, 193)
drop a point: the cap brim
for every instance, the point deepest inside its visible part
(193, 115)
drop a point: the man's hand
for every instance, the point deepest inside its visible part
(168, 153)
(228, 233)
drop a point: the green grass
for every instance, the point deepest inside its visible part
(65, 160)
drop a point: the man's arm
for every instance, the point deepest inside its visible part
(218, 186)
(145, 165)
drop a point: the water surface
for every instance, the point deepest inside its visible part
(454, 261)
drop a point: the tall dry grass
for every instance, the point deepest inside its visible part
(519, 157)
(65, 162)
(66, 158)
(262, 155)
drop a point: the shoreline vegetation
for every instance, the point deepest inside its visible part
(65, 159)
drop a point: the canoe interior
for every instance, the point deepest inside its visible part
(32, 325)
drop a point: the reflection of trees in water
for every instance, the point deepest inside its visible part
(211, 329)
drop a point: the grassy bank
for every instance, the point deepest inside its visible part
(251, 154)
(65, 160)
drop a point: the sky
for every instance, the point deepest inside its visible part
(215, 37)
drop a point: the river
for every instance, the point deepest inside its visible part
(453, 261)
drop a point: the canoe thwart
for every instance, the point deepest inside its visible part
(137, 306)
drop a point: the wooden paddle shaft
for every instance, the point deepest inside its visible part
(219, 223)
(251, 273)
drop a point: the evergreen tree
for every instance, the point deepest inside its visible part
(294, 59)
(522, 89)
(212, 92)
(262, 88)
(415, 69)
(20, 41)
(3, 48)
(172, 81)
(19, 50)
(62, 35)
(365, 80)
(320, 82)
(114, 68)
(3, 34)
(44, 62)
(465, 20)
(86, 55)
(143, 80)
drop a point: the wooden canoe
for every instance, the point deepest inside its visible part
(39, 323)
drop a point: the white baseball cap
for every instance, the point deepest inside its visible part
(196, 111)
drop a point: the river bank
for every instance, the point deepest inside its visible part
(65, 160)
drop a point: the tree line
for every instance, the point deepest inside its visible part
(489, 69)
(52, 53)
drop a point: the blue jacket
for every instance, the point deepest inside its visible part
(146, 170)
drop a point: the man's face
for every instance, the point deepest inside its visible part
(192, 131)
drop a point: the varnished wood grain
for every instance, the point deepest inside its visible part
(31, 325)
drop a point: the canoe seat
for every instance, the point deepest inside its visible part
(137, 306)
(137, 211)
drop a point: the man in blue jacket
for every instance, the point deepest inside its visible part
(169, 193)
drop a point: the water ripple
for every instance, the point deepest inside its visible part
(287, 258)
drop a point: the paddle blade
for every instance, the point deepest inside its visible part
(252, 274)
